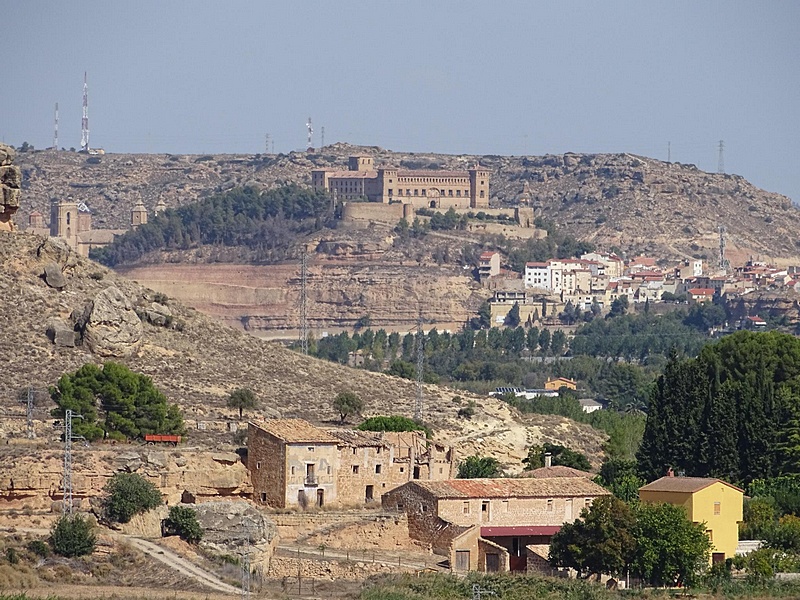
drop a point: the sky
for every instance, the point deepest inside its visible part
(511, 77)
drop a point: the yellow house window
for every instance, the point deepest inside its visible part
(716, 508)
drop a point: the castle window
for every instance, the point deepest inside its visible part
(68, 216)
(408, 192)
(416, 192)
(424, 192)
(355, 469)
(458, 193)
(482, 194)
(390, 192)
(377, 469)
(449, 192)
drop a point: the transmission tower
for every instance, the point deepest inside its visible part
(55, 130)
(322, 137)
(310, 134)
(85, 120)
(420, 366)
(723, 262)
(246, 565)
(266, 143)
(67, 502)
(721, 161)
(304, 302)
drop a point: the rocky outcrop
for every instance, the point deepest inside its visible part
(113, 329)
(10, 183)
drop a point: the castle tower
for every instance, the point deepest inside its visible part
(138, 215)
(387, 185)
(160, 207)
(478, 187)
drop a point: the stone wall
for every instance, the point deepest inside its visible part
(266, 462)
(10, 182)
(376, 532)
(283, 567)
(390, 214)
(512, 511)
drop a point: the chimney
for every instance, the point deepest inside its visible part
(670, 472)
(548, 460)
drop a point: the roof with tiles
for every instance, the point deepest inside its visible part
(359, 439)
(686, 485)
(556, 471)
(512, 488)
(296, 431)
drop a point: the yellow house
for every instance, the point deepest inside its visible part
(559, 382)
(706, 500)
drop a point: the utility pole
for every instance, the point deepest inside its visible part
(55, 130)
(420, 365)
(304, 302)
(266, 143)
(66, 507)
(721, 161)
(322, 137)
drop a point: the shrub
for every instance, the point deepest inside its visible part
(393, 423)
(182, 521)
(129, 494)
(468, 411)
(72, 535)
(39, 548)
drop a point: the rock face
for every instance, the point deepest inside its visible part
(229, 526)
(54, 277)
(10, 181)
(113, 328)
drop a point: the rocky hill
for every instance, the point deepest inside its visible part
(59, 311)
(635, 203)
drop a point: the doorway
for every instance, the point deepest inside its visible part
(492, 563)
(462, 560)
(320, 497)
(416, 472)
(369, 493)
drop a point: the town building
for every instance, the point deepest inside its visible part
(560, 382)
(492, 524)
(706, 500)
(488, 265)
(422, 189)
(294, 463)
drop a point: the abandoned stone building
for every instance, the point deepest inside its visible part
(492, 524)
(422, 189)
(294, 463)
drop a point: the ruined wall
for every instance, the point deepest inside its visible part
(10, 181)
(511, 511)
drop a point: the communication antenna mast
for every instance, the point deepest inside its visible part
(721, 161)
(322, 137)
(85, 120)
(420, 366)
(55, 130)
(310, 134)
(669, 152)
(266, 143)
(304, 302)
(67, 502)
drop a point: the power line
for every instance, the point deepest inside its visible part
(66, 504)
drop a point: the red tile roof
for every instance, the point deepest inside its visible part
(520, 531)
(297, 431)
(512, 488)
(701, 292)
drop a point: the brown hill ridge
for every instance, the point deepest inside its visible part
(197, 361)
(635, 203)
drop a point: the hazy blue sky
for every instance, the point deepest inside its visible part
(515, 77)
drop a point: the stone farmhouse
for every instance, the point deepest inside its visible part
(714, 502)
(422, 189)
(294, 463)
(492, 524)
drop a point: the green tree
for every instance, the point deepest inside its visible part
(560, 456)
(558, 342)
(72, 535)
(485, 315)
(532, 339)
(619, 307)
(760, 515)
(670, 549)
(512, 318)
(182, 521)
(133, 406)
(347, 404)
(393, 423)
(242, 399)
(601, 543)
(478, 467)
(402, 368)
(544, 340)
(620, 478)
(129, 494)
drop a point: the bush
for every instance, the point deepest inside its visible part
(72, 536)
(182, 521)
(393, 423)
(129, 494)
(39, 548)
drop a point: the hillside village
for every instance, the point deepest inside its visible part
(473, 485)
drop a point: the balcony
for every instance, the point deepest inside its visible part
(311, 481)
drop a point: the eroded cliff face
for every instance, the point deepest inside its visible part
(10, 182)
(32, 474)
(266, 299)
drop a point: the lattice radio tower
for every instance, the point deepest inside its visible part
(85, 120)
(721, 161)
(420, 366)
(310, 134)
(304, 301)
(67, 502)
(55, 130)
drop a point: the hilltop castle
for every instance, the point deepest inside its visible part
(421, 189)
